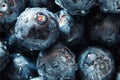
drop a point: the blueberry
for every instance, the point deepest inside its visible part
(118, 76)
(4, 55)
(76, 7)
(106, 31)
(21, 68)
(49, 4)
(96, 64)
(37, 78)
(70, 30)
(36, 28)
(10, 10)
(110, 6)
(57, 63)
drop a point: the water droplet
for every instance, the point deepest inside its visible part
(31, 49)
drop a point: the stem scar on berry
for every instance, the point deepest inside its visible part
(41, 18)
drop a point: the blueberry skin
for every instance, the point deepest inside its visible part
(41, 3)
(76, 7)
(10, 10)
(4, 55)
(21, 68)
(49, 4)
(110, 6)
(96, 64)
(118, 76)
(37, 78)
(36, 28)
(70, 30)
(57, 63)
(106, 32)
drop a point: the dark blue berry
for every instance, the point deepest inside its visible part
(58, 63)
(21, 68)
(36, 28)
(96, 64)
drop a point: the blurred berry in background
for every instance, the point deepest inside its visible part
(107, 31)
(21, 68)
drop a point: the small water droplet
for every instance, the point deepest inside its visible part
(30, 77)
(52, 30)
(31, 49)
